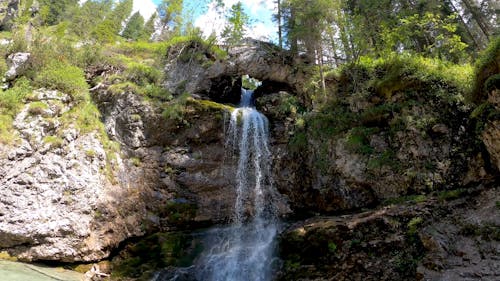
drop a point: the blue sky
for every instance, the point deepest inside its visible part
(204, 15)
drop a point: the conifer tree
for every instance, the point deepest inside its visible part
(237, 21)
(135, 27)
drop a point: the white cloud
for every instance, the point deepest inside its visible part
(263, 31)
(145, 7)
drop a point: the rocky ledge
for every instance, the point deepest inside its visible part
(436, 238)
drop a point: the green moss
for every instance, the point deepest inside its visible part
(486, 66)
(142, 74)
(451, 194)
(179, 212)
(7, 135)
(90, 153)
(386, 158)
(158, 251)
(413, 225)
(357, 140)
(135, 161)
(332, 247)
(11, 102)
(37, 108)
(124, 87)
(4, 255)
(209, 106)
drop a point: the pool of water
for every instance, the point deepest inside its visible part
(17, 271)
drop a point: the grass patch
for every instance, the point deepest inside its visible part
(37, 108)
(63, 77)
(53, 141)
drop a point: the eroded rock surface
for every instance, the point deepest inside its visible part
(445, 240)
(52, 188)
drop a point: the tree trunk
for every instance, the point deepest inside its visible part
(467, 29)
(280, 35)
(478, 18)
(319, 55)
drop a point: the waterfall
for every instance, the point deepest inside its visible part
(244, 250)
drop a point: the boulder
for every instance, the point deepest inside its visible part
(17, 63)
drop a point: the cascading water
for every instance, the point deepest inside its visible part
(244, 250)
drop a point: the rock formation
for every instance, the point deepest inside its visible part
(75, 195)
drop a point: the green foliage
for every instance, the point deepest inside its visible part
(358, 139)
(149, 27)
(413, 225)
(445, 45)
(451, 194)
(55, 11)
(486, 66)
(53, 141)
(156, 252)
(135, 27)
(37, 108)
(170, 15)
(249, 83)
(66, 78)
(175, 110)
(13, 99)
(237, 21)
(332, 247)
(142, 74)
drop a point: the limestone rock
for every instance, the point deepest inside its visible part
(54, 189)
(491, 139)
(220, 80)
(16, 63)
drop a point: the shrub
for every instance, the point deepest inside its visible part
(12, 99)
(63, 77)
(142, 74)
(487, 65)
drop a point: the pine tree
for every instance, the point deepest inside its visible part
(149, 27)
(54, 11)
(170, 14)
(135, 27)
(237, 20)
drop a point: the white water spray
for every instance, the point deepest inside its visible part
(244, 251)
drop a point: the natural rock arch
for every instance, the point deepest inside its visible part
(220, 80)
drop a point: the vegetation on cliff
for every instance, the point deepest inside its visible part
(388, 105)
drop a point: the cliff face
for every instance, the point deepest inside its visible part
(72, 194)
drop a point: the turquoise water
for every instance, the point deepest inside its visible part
(16, 271)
